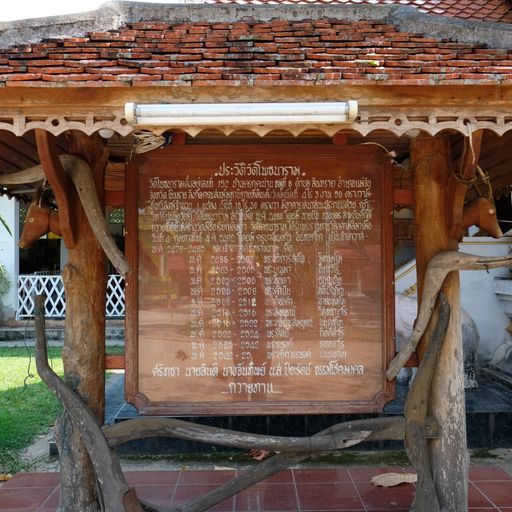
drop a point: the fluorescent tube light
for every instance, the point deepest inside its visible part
(212, 114)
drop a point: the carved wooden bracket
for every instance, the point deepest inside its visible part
(60, 183)
(458, 184)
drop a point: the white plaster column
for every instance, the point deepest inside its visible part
(9, 254)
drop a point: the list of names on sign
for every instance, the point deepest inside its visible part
(261, 277)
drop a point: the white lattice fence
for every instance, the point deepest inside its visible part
(53, 288)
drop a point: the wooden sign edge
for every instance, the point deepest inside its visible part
(144, 406)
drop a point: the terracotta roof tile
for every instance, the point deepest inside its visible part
(280, 52)
(490, 10)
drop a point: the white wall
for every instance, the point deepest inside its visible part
(477, 292)
(9, 253)
(478, 297)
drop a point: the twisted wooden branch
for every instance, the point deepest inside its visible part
(81, 176)
(415, 412)
(31, 175)
(342, 435)
(438, 268)
(116, 493)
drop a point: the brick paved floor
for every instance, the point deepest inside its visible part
(308, 490)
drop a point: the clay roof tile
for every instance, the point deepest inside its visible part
(480, 10)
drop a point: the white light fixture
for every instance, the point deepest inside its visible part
(212, 114)
(105, 133)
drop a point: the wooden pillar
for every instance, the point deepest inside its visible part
(85, 282)
(430, 161)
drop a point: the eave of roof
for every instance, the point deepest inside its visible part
(347, 47)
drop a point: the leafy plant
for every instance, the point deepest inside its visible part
(4, 280)
(5, 284)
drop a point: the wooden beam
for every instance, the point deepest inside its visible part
(179, 138)
(402, 196)
(340, 139)
(60, 182)
(114, 198)
(114, 362)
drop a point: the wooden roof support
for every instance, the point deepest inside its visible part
(85, 283)
(430, 161)
(60, 182)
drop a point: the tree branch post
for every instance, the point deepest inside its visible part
(431, 163)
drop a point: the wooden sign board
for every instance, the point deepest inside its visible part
(262, 280)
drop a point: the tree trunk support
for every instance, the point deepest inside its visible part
(431, 163)
(85, 283)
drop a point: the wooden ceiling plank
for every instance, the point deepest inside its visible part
(60, 183)
(20, 145)
(13, 159)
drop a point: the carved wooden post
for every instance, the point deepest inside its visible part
(430, 161)
(85, 282)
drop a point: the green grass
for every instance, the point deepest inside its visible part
(27, 407)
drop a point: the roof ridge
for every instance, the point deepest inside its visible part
(116, 14)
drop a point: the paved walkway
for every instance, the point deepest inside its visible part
(342, 489)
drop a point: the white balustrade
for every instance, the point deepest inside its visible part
(53, 288)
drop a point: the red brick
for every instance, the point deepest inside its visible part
(29, 55)
(104, 36)
(12, 69)
(443, 69)
(185, 57)
(192, 48)
(221, 26)
(265, 78)
(449, 76)
(157, 70)
(39, 62)
(404, 63)
(86, 63)
(477, 76)
(96, 83)
(353, 76)
(237, 76)
(55, 70)
(21, 76)
(140, 77)
(149, 25)
(112, 78)
(27, 83)
(496, 69)
(83, 77)
(176, 72)
(208, 65)
(467, 63)
(73, 41)
(137, 63)
(73, 56)
(112, 70)
(207, 76)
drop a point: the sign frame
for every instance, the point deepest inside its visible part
(382, 165)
